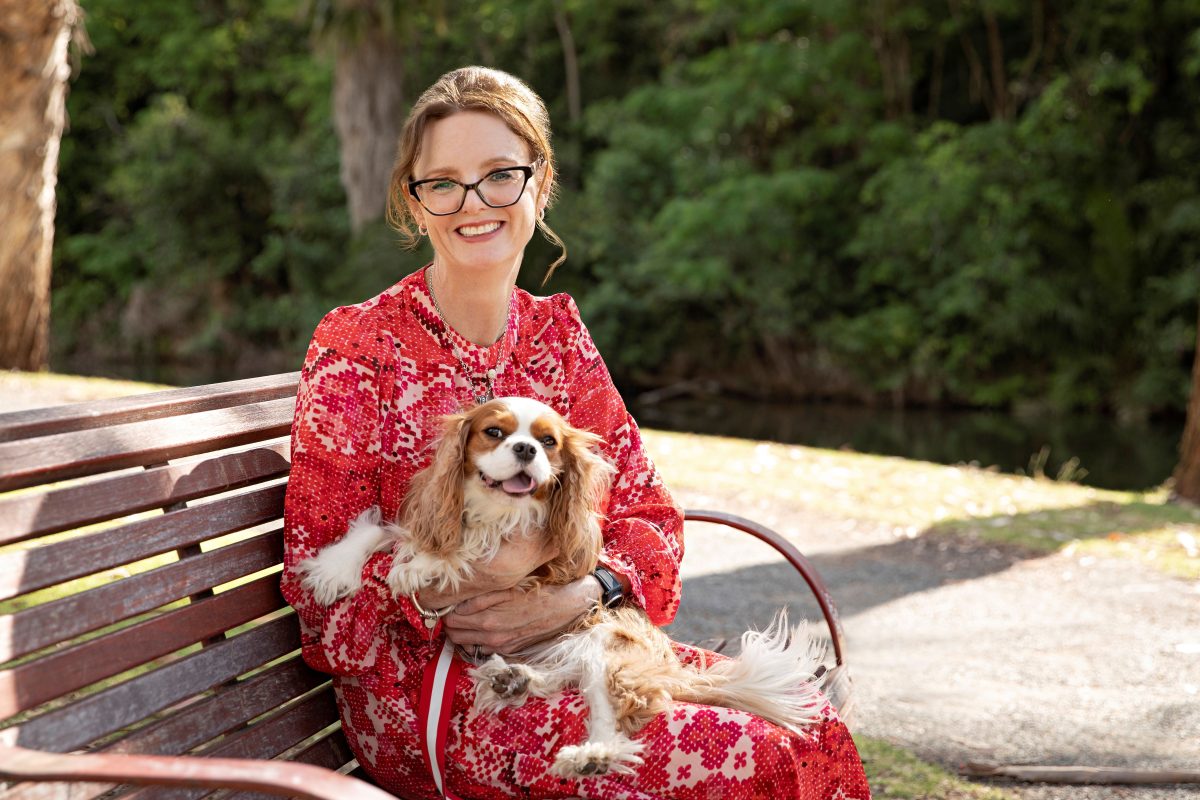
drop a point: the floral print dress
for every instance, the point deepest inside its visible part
(376, 381)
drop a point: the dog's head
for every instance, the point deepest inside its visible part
(516, 448)
(508, 453)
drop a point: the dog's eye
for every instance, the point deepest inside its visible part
(493, 432)
(548, 441)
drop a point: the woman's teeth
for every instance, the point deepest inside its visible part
(478, 230)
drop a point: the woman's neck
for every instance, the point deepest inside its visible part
(474, 305)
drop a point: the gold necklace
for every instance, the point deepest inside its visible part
(489, 377)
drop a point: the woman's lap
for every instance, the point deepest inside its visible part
(691, 751)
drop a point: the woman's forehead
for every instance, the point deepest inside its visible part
(469, 142)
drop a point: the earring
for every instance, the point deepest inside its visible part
(542, 215)
(421, 229)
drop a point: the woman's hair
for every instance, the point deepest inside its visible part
(472, 89)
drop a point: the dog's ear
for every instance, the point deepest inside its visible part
(433, 508)
(582, 485)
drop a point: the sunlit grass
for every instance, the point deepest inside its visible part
(46, 388)
(917, 497)
(896, 773)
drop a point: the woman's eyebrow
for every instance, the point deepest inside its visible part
(487, 165)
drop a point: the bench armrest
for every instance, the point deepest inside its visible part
(283, 778)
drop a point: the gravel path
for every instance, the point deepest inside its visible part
(963, 651)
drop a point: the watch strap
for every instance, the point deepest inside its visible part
(611, 592)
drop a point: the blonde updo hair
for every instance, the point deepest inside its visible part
(473, 89)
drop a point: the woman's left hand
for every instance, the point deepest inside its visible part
(509, 620)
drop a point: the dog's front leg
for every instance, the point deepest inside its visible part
(336, 571)
(408, 575)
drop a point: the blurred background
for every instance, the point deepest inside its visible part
(958, 230)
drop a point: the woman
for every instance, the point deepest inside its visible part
(475, 173)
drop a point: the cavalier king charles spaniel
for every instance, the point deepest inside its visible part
(514, 467)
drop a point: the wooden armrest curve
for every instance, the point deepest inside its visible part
(282, 778)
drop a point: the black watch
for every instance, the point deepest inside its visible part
(611, 593)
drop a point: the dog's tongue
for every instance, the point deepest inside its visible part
(518, 484)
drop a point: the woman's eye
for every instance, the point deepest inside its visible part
(548, 441)
(443, 187)
(495, 433)
(503, 176)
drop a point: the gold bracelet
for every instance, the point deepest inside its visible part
(432, 615)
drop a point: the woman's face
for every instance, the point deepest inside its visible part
(465, 147)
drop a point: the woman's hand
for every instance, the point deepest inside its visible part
(508, 620)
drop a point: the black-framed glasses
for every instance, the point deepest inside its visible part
(498, 189)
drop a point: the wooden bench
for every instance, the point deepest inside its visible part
(141, 623)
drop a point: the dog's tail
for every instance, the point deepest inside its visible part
(774, 677)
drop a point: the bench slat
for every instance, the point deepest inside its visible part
(64, 671)
(150, 405)
(268, 738)
(330, 753)
(196, 724)
(228, 708)
(32, 629)
(25, 571)
(112, 709)
(62, 456)
(25, 516)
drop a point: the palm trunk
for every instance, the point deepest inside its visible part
(1187, 474)
(368, 109)
(34, 39)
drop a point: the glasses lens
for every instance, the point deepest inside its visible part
(502, 187)
(441, 197)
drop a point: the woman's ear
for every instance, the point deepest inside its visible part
(434, 507)
(415, 209)
(544, 187)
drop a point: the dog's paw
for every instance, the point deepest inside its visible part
(403, 579)
(329, 579)
(500, 684)
(598, 758)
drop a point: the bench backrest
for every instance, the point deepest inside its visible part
(140, 546)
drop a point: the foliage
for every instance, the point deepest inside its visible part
(915, 201)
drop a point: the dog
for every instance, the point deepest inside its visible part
(514, 467)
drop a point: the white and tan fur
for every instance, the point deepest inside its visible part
(514, 467)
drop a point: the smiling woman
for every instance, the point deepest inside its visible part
(475, 173)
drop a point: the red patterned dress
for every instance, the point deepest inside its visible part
(377, 378)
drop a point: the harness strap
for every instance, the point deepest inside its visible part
(433, 715)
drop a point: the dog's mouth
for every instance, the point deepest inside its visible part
(518, 485)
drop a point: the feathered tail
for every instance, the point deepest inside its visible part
(774, 677)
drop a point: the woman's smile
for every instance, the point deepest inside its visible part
(479, 230)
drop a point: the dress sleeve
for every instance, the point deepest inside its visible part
(643, 528)
(336, 474)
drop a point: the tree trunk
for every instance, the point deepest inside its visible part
(34, 40)
(368, 108)
(1187, 474)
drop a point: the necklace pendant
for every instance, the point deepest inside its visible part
(430, 623)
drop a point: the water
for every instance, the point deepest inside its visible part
(1126, 457)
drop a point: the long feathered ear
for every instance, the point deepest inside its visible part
(433, 508)
(574, 517)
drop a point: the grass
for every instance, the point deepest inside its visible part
(1036, 514)
(893, 772)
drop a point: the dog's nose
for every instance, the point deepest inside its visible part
(524, 451)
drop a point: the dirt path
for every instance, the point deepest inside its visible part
(961, 651)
